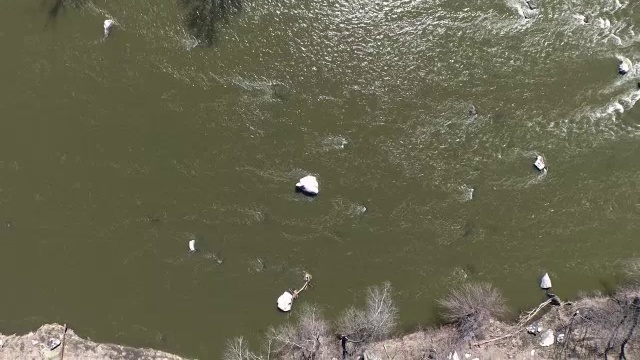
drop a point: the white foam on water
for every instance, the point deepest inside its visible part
(467, 193)
(337, 142)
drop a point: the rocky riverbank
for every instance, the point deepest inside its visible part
(598, 326)
(37, 346)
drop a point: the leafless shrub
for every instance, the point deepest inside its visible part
(632, 271)
(605, 326)
(238, 349)
(304, 338)
(376, 321)
(471, 306)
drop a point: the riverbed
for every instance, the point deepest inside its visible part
(420, 119)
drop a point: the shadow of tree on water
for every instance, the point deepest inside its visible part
(55, 7)
(202, 17)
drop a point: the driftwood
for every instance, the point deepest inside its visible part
(307, 282)
(520, 326)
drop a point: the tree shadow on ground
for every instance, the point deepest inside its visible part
(55, 7)
(202, 17)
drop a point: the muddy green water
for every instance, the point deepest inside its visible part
(114, 154)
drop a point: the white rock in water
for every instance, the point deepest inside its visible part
(539, 163)
(108, 25)
(547, 339)
(308, 185)
(545, 283)
(284, 301)
(192, 245)
(624, 66)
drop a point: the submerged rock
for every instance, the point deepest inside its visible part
(545, 283)
(308, 185)
(473, 112)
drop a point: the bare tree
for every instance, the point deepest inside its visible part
(604, 327)
(471, 306)
(632, 271)
(375, 321)
(238, 349)
(304, 338)
(201, 17)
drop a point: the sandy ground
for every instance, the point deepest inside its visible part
(34, 345)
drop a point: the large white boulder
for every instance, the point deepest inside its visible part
(285, 301)
(108, 26)
(545, 283)
(308, 185)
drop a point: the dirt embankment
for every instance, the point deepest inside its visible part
(603, 327)
(36, 345)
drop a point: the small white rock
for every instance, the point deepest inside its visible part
(560, 339)
(308, 185)
(547, 339)
(539, 163)
(545, 283)
(53, 343)
(108, 25)
(533, 352)
(466, 356)
(192, 245)
(624, 67)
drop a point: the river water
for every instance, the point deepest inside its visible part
(182, 125)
